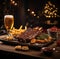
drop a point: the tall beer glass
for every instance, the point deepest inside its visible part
(8, 22)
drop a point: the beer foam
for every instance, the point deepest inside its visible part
(10, 16)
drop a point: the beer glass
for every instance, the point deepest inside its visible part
(8, 22)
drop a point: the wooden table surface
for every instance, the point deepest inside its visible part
(30, 54)
(8, 50)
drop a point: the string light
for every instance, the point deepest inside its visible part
(50, 10)
(13, 2)
(28, 10)
(37, 16)
(32, 12)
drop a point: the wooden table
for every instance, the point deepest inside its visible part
(9, 51)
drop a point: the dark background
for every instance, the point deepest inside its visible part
(22, 16)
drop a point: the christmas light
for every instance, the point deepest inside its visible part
(32, 12)
(28, 10)
(50, 10)
(15, 4)
(37, 16)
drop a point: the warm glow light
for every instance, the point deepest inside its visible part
(15, 4)
(49, 16)
(28, 10)
(11, 0)
(48, 21)
(53, 5)
(37, 16)
(50, 10)
(32, 12)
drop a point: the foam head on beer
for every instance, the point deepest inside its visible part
(8, 21)
(9, 16)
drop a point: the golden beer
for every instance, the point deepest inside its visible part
(8, 22)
